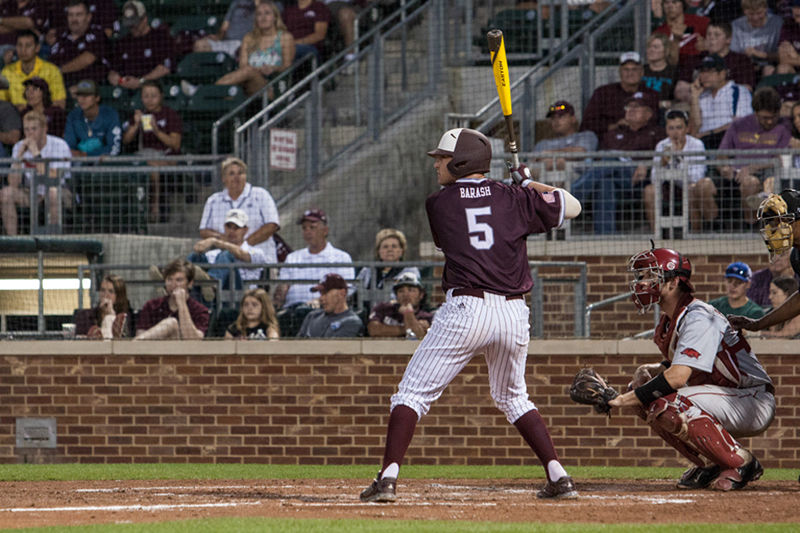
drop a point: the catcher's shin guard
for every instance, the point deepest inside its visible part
(665, 417)
(714, 441)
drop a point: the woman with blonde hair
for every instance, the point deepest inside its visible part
(256, 319)
(390, 247)
(268, 49)
(661, 69)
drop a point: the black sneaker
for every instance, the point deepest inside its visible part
(381, 490)
(563, 489)
(698, 477)
(737, 478)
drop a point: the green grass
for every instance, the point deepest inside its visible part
(66, 472)
(264, 525)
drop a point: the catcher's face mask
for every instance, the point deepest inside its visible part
(647, 280)
(776, 225)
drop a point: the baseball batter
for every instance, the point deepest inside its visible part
(481, 226)
(709, 390)
(779, 215)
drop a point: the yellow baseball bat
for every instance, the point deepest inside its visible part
(497, 50)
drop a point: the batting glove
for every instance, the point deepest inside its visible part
(519, 174)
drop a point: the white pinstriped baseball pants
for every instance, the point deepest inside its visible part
(464, 326)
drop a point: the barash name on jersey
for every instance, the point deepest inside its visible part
(475, 192)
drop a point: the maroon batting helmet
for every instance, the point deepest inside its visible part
(653, 268)
(470, 149)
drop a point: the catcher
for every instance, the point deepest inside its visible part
(709, 390)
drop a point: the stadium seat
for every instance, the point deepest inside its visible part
(205, 67)
(206, 105)
(119, 98)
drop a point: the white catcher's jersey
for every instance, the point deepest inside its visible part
(705, 341)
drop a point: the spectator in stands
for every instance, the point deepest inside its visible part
(256, 319)
(36, 144)
(334, 318)
(344, 12)
(661, 70)
(10, 127)
(112, 318)
(756, 35)
(716, 10)
(715, 102)
(174, 316)
(718, 41)
(403, 316)
(80, 51)
(567, 140)
(779, 291)
(308, 23)
(29, 66)
(682, 28)
(315, 233)
(92, 128)
(780, 266)
(761, 130)
(103, 12)
(735, 301)
(789, 42)
(145, 53)
(262, 215)
(37, 96)
(702, 192)
(390, 247)
(604, 185)
(17, 16)
(267, 50)
(606, 108)
(231, 248)
(239, 20)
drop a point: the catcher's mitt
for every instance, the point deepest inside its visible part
(590, 389)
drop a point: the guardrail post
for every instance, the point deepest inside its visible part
(537, 303)
(375, 88)
(40, 274)
(580, 303)
(313, 130)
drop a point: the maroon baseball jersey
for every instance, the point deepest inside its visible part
(300, 22)
(481, 226)
(169, 121)
(388, 313)
(137, 56)
(36, 10)
(607, 106)
(740, 68)
(67, 48)
(155, 310)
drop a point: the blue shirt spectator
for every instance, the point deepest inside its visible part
(92, 129)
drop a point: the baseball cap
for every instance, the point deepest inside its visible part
(85, 87)
(314, 215)
(739, 270)
(236, 216)
(330, 281)
(638, 98)
(407, 279)
(132, 13)
(560, 108)
(712, 62)
(630, 56)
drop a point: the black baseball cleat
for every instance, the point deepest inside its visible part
(563, 489)
(738, 478)
(698, 477)
(381, 490)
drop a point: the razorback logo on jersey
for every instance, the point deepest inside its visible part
(689, 352)
(548, 197)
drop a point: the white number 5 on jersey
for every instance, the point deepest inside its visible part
(485, 239)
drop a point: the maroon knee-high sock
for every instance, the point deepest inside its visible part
(532, 428)
(402, 423)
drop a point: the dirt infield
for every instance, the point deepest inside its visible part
(31, 504)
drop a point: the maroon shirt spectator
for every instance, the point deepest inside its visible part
(520, 211)
(22, 15)
(144, 53)
(168, 120)
(687, 42)
(83, 43)
(37, 94)
(303, 20)
(104, 14)
(157, 309)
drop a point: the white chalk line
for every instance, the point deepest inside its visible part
(160, 507)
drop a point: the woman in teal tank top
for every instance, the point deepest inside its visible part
(267, 50)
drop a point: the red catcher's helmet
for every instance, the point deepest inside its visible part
(651, 269)
(470, 149)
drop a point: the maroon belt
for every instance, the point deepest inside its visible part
(478, 293)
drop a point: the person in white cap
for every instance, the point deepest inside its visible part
(231, 248)
(404, 316)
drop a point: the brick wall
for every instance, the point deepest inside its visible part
(314, 402)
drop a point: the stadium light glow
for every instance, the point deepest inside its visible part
(50, 284)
